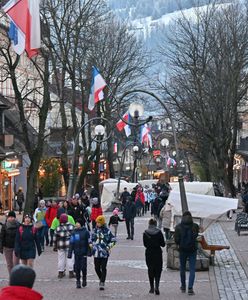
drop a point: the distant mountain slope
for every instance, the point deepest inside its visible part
(150, 18)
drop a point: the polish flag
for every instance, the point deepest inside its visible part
(24, 29)
(96, 89)
(122, 125)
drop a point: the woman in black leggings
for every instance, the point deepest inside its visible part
(153, 240)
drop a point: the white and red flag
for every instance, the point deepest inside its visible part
(122, 125)
(96, 89)
(24, 29)
(145, 135)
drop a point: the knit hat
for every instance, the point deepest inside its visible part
(22, 275)
(11, 214)
(81, 222)
(115, 211)
(101, 220)
(94, 201)
(63, 218)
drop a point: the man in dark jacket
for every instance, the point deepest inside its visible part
(129, 214)
(123, 198)
(185, 237)
(7, 240)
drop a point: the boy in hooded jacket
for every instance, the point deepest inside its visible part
(80, 243)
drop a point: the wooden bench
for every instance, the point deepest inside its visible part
(211, 248)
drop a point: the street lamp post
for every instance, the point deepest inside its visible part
(184, 203)
(98, 138)
(135, 149)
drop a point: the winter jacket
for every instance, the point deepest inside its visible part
(19, 293)
(103, 240)
(26, 242)
(165, 215)
(79, 242)
(140, 195)
(95, 212)
(20, 197)
(56, 223)
(8, 234)
(51, 214)
(76, 211)
(39, 215)
(153, 240)
(129, 211)
(114, 220)
(62, 235)
(183, 228)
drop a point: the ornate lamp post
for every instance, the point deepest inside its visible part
(99, 132)
(184, 203)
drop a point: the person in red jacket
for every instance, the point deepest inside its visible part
(20, 285)
(140, 201)
(51, 213)
(96, 211)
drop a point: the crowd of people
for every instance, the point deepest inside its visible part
(77, 229)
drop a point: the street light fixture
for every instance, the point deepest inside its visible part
(136, 110)
(98, 138)
(99, 131)
(164, 142)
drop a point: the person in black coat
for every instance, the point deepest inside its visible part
(129, 214)
(7, 240)
(153, 240)
(26, 242)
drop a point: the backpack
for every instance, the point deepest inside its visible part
(21, 231)
(187, 239)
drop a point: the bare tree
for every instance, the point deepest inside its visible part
(31, 90)
(123, 62)
(208, 58)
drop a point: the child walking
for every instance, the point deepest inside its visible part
(114, 220)
(79, 244)
(103, 240)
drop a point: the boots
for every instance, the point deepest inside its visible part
(71, 274)
(84, 282)
(78, 284)
(61, 275)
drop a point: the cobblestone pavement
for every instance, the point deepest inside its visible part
(231, 278)
(127, 275)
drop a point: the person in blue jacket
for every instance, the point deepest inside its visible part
(80, 243)
(27, 241)
(103, 240)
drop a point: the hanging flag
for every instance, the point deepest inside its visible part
(115, 147)
(122, 125)
(96, 89)
(145, 136)
(24, 31)
(171, 162)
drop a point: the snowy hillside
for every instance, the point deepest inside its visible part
(150, 18)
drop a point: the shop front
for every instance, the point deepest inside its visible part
(7, 182)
